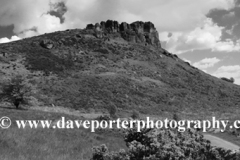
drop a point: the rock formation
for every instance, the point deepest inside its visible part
(137, 32)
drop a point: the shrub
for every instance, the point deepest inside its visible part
(102, 153)
(16, 91)
(103, 118)
(165, 144)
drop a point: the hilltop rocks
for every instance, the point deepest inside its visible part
(136, 32)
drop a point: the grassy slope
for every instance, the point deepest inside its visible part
(40, 144)
(228, 137)
(86, 72)
(92, 74)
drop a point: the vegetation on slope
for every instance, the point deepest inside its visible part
(82, 71)
(155, 144)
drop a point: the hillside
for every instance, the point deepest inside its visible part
(116, 65)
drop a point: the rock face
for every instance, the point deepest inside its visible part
(137, 32)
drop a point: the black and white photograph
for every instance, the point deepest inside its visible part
(119, 79)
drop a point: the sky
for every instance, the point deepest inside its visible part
(205, 33)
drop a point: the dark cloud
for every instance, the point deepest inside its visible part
(236, 31)
(58, 10)
(223, 17)
(229, 19)
(6, 31)
(237, 2)
(169, 34)
(226, 35)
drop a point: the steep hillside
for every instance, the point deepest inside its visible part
(116, 65)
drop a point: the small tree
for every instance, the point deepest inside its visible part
(15, 91)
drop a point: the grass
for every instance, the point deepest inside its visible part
(228, 137)
(51, 144)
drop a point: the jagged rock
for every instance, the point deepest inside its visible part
(124, 26)
(98, 30)
(103, 24)
(112, 25)
(46, 43)
(90, 26)
(137, 26)
(136, 32)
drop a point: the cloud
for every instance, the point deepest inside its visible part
(6, 40)
(229, 19)
(58, 9)
(228, 72)
(184, 23)
(206, 63)
(206, 37)
(167, 15)
(26, 14)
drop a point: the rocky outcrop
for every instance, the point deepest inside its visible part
(137, 32)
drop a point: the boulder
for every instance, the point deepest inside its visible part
(46, 43)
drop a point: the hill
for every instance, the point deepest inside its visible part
(117, 65)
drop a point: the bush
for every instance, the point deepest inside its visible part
(16, 91)
(160, 144)
(103, 118)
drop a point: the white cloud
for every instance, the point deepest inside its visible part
(206, 63)
(228, 72)
(206, 37)
(6, 40)
(183, 18)
(26, 14)
(167, 15)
